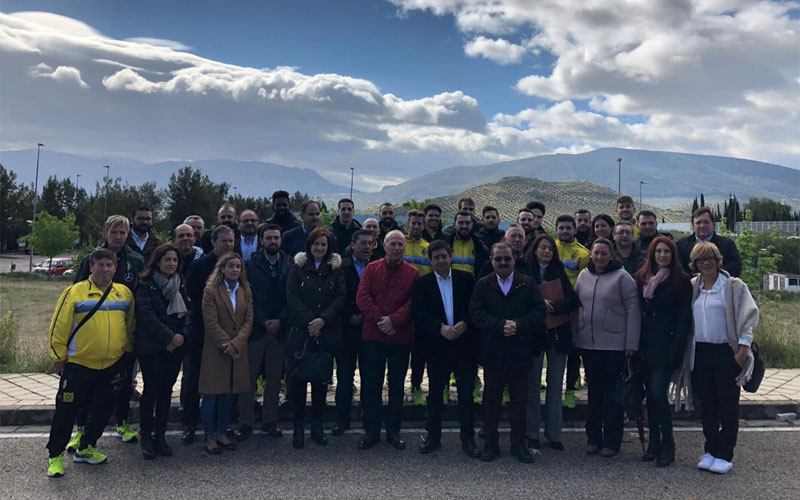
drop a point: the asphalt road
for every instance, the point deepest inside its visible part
(767, 466)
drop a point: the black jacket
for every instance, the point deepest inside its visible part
(268, 285)
(387, 229)
(342, 234)
(731, 260)
(666, 323)
(520, 265)
(634, 261)
(427, 310)
(315, 293)
(208, 246)
(129, 265)
(644, 243)
(489, 238)
(560, 337)
(294, 241)
(152, 243)
(154, 327)
(477, 225)
(286, 224)
(481, 252)
(196, 278)
(489, 309)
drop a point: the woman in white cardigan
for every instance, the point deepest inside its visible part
(719, 354)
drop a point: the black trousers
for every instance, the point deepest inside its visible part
(573, 368)
(439, 370)
(159, 372)
(299, 391)
(495, 378)
(348, 357)
(122, 398)
(604, 424)
(91, 392)
(190, 395)
(714, 380)
(659, 411)
(418, 363)
(377, 355)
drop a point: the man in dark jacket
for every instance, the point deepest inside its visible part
(509, 312)
(631, 255)
(469, 253)
(490, 233)
(647, 222)
(129, 263)
(183, 239)
(704, 224)
(344, 225)
(583, 222)
(281, 212)
(294, 240)
(384, 298)
(226, 216)
(351, 353)
(387, 221)
(466, 205)
(222, 239)
(433, 223)
(515, 237)
(267, 271)
(441, 311)
(141, 238)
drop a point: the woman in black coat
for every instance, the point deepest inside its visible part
(666, 297)
(162, 322)
(545, 267)
(315, 295)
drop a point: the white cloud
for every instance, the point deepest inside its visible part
(500, 50)
(159, 42)
(64, 74)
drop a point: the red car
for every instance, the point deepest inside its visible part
(57, 269)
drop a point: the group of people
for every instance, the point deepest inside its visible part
(257, 300)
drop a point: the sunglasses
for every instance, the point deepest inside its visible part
(503, 259)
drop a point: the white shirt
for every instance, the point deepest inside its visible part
(232, 294)
(446, 291)
(709, 313)
(250, 248)
(141, 243)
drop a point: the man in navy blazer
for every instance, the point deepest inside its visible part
(440, 310)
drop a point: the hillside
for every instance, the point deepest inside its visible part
(511, 193)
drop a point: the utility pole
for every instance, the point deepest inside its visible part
(619, 175)
(35, 199)
(351, 183)
(640, 193)
(105, 207)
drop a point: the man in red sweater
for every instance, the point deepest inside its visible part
(384, 298)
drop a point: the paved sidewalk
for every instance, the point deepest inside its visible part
(28, 398)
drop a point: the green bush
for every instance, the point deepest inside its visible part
(9, 341)
(777, 333)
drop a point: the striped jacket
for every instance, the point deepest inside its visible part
(103, 339)
(416, 254)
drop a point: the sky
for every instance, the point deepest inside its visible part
(399, 88)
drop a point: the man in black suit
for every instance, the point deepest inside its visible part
(704, 226)
(226, 216)
(293, 241)
(222, 239)
(440, 310)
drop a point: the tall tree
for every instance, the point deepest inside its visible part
(190, 192)
(52, 235)
(16, 207)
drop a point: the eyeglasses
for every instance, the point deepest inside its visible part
(503, 259)
(705, 261)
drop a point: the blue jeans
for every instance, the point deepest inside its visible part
(659, 413)
(216, 407)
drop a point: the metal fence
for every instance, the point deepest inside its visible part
(791, 227)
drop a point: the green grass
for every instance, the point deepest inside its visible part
(777, 333)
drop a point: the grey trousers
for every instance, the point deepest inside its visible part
(556, 364)
(270, 351)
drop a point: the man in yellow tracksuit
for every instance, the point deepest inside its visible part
(416, 254)
(89, 359)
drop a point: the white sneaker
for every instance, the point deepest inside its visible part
(721, 466)
(706, 461)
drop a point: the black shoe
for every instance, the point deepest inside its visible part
(653, 448)
(340, 428)
(147, 447)
(490, 452)
(429, 445)
(608, 452)
(557, 445)
(160, 445)
(592, 449)
(666, 455)
(229, 446)
(368, 441)
(533, 444)
(244, 432)
(298, 436)
(317, 433)
(271, 429)
(522, 453)
(469, 447)
(188, 435)
(394, 440)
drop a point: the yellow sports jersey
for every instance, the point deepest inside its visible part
(575, 258)
(464, 256)
(416, 254)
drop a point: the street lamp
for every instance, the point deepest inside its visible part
(35, 198)
(351, 183)
(105, 207)
(619, 175)
(77, 181)
(640, 193)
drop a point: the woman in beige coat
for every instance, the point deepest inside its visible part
(228, 317)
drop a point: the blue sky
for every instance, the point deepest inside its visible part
(398, 88)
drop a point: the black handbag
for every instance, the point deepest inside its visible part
(629, 389)
(758, 370)
(313, 365)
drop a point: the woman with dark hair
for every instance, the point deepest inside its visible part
(666, 296)
(609, 325)
(602, 227)
(224, 369)
(162, 323)
(315, 294)
(561, 300)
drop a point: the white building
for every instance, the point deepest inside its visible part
(783, 282)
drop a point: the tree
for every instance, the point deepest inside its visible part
(51, 235)
(702, 200)
(766, 209)
(190, 192)
(414, 204)
(16, 202)
(756, 261)
(695, 206)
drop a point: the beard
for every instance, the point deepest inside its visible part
(271, 249)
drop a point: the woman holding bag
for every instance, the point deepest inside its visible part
(224, 370)
(560, 299)
(315, 294)
(162, 322)
(665, 293)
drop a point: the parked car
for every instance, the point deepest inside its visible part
(59, 266)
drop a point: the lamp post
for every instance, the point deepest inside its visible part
(351, 183)
(35, 199)
(105, 206)
(619, 175)
(77, 181)
(640, 193)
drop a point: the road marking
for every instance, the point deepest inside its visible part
(39, 435)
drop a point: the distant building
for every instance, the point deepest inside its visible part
(782, 282)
